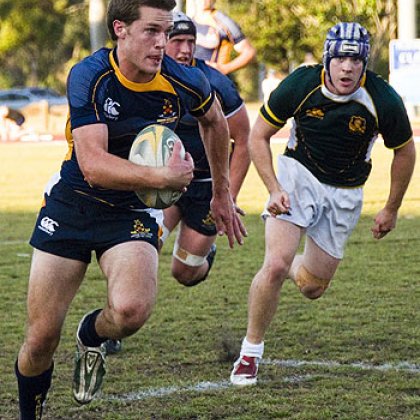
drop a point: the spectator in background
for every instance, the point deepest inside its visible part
(270, 82)
(218, 36)
(11, 122)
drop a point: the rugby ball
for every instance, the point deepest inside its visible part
(153, 146)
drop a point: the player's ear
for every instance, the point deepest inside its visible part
(120, 29)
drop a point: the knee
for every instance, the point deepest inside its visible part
(185, 275)
(130, 317)
(310, 286)
(41, 345)
(276, 269)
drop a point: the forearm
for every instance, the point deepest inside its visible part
(239, 164)
(402, 168)
(113, 172)
(262, 159)
(216, 144)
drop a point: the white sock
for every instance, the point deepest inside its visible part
(252, 350)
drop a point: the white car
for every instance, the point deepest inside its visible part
(18, 98)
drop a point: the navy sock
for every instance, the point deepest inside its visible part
(87, 332)
(32, 393)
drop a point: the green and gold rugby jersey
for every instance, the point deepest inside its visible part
(333, 135)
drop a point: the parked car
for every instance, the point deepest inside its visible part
(18, 98)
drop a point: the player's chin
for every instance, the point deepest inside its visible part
(153, 65)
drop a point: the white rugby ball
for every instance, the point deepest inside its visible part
(153, 146)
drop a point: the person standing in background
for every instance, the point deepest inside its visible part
(218, 36)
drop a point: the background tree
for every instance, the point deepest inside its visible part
(283, 31)
(38, 38)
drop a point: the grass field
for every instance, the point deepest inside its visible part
(354, 354)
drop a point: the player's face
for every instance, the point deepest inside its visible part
(345, 75)
(141, 44)
(181, 48)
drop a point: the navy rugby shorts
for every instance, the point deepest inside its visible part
(195, 208)
(72, 226)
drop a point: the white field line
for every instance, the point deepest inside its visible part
(17, 242)
(283, 140)
(216, 386)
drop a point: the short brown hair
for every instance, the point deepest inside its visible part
(128, 11)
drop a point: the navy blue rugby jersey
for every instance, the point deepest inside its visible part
(99, 93)
(333, 135)
(188, 129)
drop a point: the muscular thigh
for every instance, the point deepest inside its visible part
(281, 240)
(131, 272)
(318, 262)
(194, 242)
(53, 282)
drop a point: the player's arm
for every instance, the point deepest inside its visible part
(215, 134)
(105, 170)
(262, 158)
(402, 168)
(246, 53)
(240, 159)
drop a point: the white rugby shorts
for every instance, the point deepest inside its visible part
(329, 214)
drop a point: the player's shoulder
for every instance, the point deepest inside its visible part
(223, 18)
(214, 76)
(301, 81)
(380, 90)
(94, 64)
(187, 77)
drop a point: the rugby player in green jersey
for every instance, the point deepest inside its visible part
(338, 110)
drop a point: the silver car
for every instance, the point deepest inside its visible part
(18, 98)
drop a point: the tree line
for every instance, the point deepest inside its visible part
(40, 41)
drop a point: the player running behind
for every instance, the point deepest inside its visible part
(113, 94)
(194, 247)
(338, 110)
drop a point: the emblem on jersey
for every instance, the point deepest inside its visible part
(48, 225)
(315, 112)
(208, 220)
(139, 231)
(168, 114)
(111, 108)
(357, 125)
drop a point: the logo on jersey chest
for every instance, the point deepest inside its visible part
(111, 109)
(315, 113)
(168, 114)
(357, 125)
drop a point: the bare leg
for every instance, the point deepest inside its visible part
(53, 282)
(282, 241)
(131, 270)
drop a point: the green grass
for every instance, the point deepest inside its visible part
(370, 315)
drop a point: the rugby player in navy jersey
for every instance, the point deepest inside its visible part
(194, 247)
(91, 206)
(338, 110)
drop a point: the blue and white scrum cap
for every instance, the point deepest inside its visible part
(346, 39)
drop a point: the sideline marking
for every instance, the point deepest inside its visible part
(17, 242)
(216, 386)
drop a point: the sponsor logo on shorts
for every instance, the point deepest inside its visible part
(208, 221)
(48, 225)
(139, 231)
